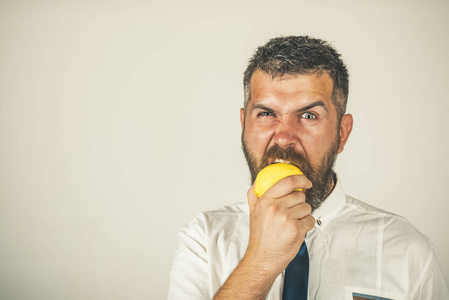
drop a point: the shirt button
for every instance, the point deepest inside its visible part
(319, 221)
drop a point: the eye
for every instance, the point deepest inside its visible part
(308, 115)
(265, 114)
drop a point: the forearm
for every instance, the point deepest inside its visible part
(249, 281)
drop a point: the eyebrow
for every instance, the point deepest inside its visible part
(261, 107)
(302, 109)
(312, 105)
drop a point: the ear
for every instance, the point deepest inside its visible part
(345, 131)
(242, 117)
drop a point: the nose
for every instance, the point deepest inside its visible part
(285, 135)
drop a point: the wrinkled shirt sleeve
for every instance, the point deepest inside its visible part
(189, 278)
(432, 283)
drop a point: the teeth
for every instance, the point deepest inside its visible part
(281, 161)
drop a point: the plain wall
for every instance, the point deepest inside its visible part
(119, 122)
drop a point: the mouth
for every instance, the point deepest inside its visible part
(281, 161)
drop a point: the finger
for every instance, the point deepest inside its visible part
(307, 223)
(252, 199)
(300, 211)
(287, 185)
(292, 199)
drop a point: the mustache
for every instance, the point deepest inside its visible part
(288, 154)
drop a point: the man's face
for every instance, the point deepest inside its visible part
(293, 118)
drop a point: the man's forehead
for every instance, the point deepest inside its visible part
(264, 84)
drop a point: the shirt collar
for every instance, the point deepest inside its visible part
(330, 207)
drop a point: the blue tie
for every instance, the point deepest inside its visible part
(296, 278)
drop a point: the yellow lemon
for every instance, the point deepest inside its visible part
(271, 174)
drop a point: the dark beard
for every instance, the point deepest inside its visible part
(322, 176)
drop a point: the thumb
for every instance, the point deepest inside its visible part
(252, 199)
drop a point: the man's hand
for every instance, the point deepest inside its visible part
(279, 221)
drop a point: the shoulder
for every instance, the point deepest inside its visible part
(235, 209)
(398, 234)
(222, 219)
(223, 214)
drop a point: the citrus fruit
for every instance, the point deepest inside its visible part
(271, 174)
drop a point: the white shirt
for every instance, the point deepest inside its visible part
(354, 248)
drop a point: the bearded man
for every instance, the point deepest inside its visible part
(296, 90)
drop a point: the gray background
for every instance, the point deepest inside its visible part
(119, 122)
